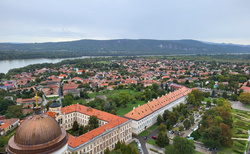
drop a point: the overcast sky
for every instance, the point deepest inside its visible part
(219, 21)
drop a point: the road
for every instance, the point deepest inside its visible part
(238, 105)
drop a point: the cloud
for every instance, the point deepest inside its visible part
(45, 20)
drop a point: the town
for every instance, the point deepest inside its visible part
(133, 104)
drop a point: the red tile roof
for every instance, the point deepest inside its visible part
(5, 125)
(146, 109)
(113, 121)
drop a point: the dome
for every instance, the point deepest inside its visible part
(54, 104)
(38, 133)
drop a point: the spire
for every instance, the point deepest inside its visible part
(36, 100)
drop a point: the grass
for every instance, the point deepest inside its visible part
(247, 106)
(207, 99)
(80, 101)
(122, 111)
(151, 142)
(197, 152)
(52, 98)
(110, 93)
(144, 133)
(154, 127)
(6, 139)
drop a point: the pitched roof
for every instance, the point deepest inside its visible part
(150, 107)
(5, 125)
(113, 121)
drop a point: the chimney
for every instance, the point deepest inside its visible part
(133, 108)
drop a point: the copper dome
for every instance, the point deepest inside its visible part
(38, 133)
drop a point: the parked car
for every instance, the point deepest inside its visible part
(145, 137)
(154, 137)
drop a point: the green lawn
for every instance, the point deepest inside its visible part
(197, 152)
(151, 142)
(207, 99)
(247, 106)
(144, 133)
(80, 101)
(155, 126)
(110, 93)
(52, 98)
(122, 111)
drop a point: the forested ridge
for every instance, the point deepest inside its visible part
(119, 47)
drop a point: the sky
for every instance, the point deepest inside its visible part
(220, 21)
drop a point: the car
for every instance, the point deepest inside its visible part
(154, 137)
(145, 137)
(170, 131)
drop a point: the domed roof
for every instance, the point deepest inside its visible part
(39, 133)
(37, 129)
(54, 104)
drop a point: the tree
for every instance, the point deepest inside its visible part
(208, 103)
(68, 98)
(159, 119)
(168, 123)
(244, 98)
(163, 127)
(187, 124)
(15, 111)
(196, 135)
(191, 118)
(107, 107)
(170, 149)
(162, 139)
(4, 104)
(155, 86)
(224, 94)
(166, 87)
(234, 97)
(81, 130)
(75, 126)
(48, 104)
(107, 151)
(211, 137)
(181, 128)
(225, 136)
(93, 122)
(183, 145)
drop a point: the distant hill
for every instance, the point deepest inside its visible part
(118, 47)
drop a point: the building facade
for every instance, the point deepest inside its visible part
(146, 115)
(112, 128)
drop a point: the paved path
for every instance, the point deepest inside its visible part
(238, 105)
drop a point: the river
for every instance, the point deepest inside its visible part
(6, 65)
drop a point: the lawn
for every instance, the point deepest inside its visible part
(52, 98)
(238, 147)
(122, 111)
(144, 133)
(207, 99)
(197, 152)
(247, 106)
(155, 126)
(151, 142)
(241, 123)
(80, 101)
(110, 93)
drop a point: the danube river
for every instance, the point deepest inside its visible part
(6, 65)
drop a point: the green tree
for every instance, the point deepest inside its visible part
(4, 104)
(162, 139)
(81, 130)
(159, 119)
(75, 126)
(170, 149)
(234, 97)
(187, 124)
(93, 122)
(15, 111)
(163, 127)
(155, 86)
(107, 151)
(181, 128)
(168, 123)
(183, 145)
(191, 118)
(244, 98)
